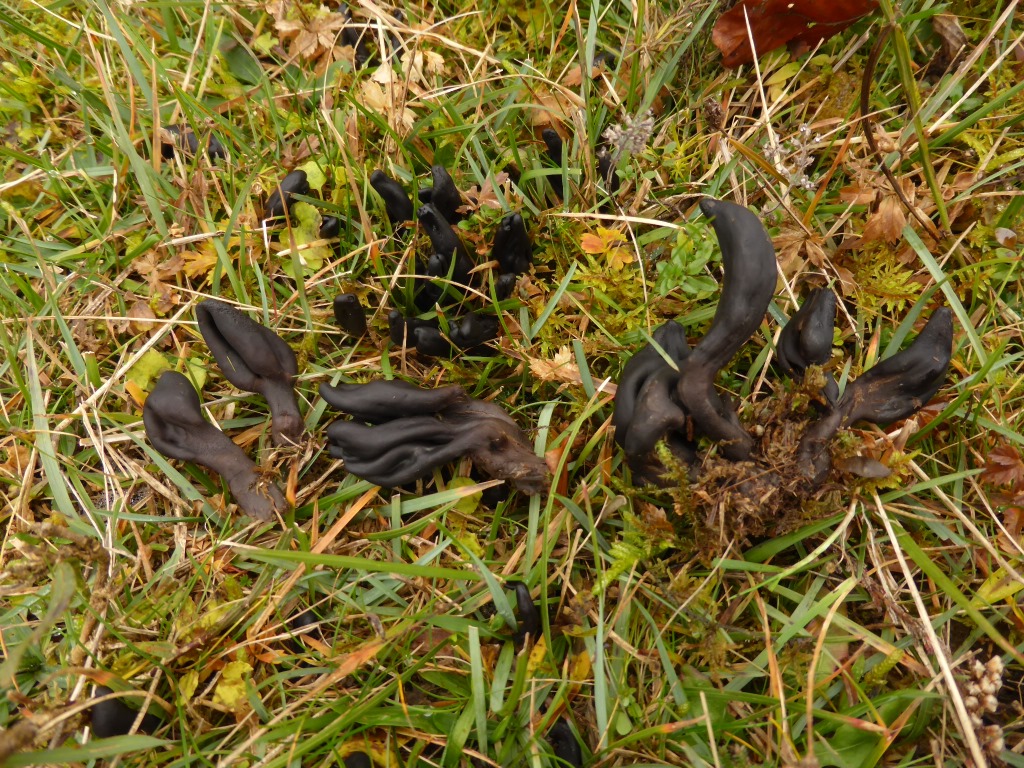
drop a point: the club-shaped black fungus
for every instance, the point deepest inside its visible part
(380, 401)
(402, 330)
(748, 260)
(553, 144)
(303, 623)
(349, 314)
(283, 196)
(444, 196)
(409, 444)
(115, 718)
(472, 332)
(330, 227)
(175, 426)
(184, 139)
(353, 35)
(512, 249)
(430, 342)
(504, 285)
(397, 204)
(453, 256)
(893, 389)
(606, 171)
(529, 617)
(564, 744)
(255, 359)
(358, 760)
(807, 338)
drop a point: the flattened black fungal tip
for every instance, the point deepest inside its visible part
(708, 205)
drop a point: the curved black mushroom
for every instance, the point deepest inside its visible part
(891, 390)
(283, 196)
(255, 359)
(504, 285)
(112, 717)
(397, 204)
(748, 260)
(357, 760)
(553, 144)
(564, 744)
(175, 426)
(184, 139)
(512, 249)
(383, 400)
(645, 362)
(349, 314)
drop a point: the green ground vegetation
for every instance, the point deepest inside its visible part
(875, 622)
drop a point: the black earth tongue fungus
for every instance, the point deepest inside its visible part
(512, 249)
(444, 196)
(355, 36)
(330, 227)
(645, 363)
(553, 144)
(357, 760)
(283, 196)
(606, 171)
(807, 338)
(184, 140)
(657, 417)
(529, 617)
(397, 204)
(254, 358)
(402, 330)
(564, 744)
(349, 314)
(112, 717)
(380, 401)
(408, 444)
(430, 342)
(893, 389)
(504, 285)
(175, 426)
(750, 273)
(454, 258)
(472, 332)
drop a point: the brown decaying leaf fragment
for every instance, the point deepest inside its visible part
(798, 23)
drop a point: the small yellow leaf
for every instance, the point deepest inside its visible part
(230, 690)
(591, 243)
(999, 586)
(146, 370)
(187, 686)
(199, 263)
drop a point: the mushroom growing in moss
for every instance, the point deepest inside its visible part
(175, 426)
(255, 359)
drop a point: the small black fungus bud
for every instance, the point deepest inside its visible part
(358, 760)
(473, 331)
(402, 330)
(452, 256)
(431, 343)
(564, 744)
(553, 143)
(444, 195)
(184, 139)
(349, 314)
(529, 617)
(330, 227)
(113, 717)
(807, 338)
(283, 196)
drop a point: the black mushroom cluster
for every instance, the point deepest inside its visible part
(400, 433)
(667, 391)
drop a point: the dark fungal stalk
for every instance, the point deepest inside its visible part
(806, 339)
(451, 259)
(384, 400)
(444, 196)
(529, 616)
(564, 744)
(512, 249)
(893, 389)
(750, 271)
(255, 359)
(553, 144)
(175, 426)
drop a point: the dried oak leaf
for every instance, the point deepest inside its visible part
(798, 23)
(1003, 466)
